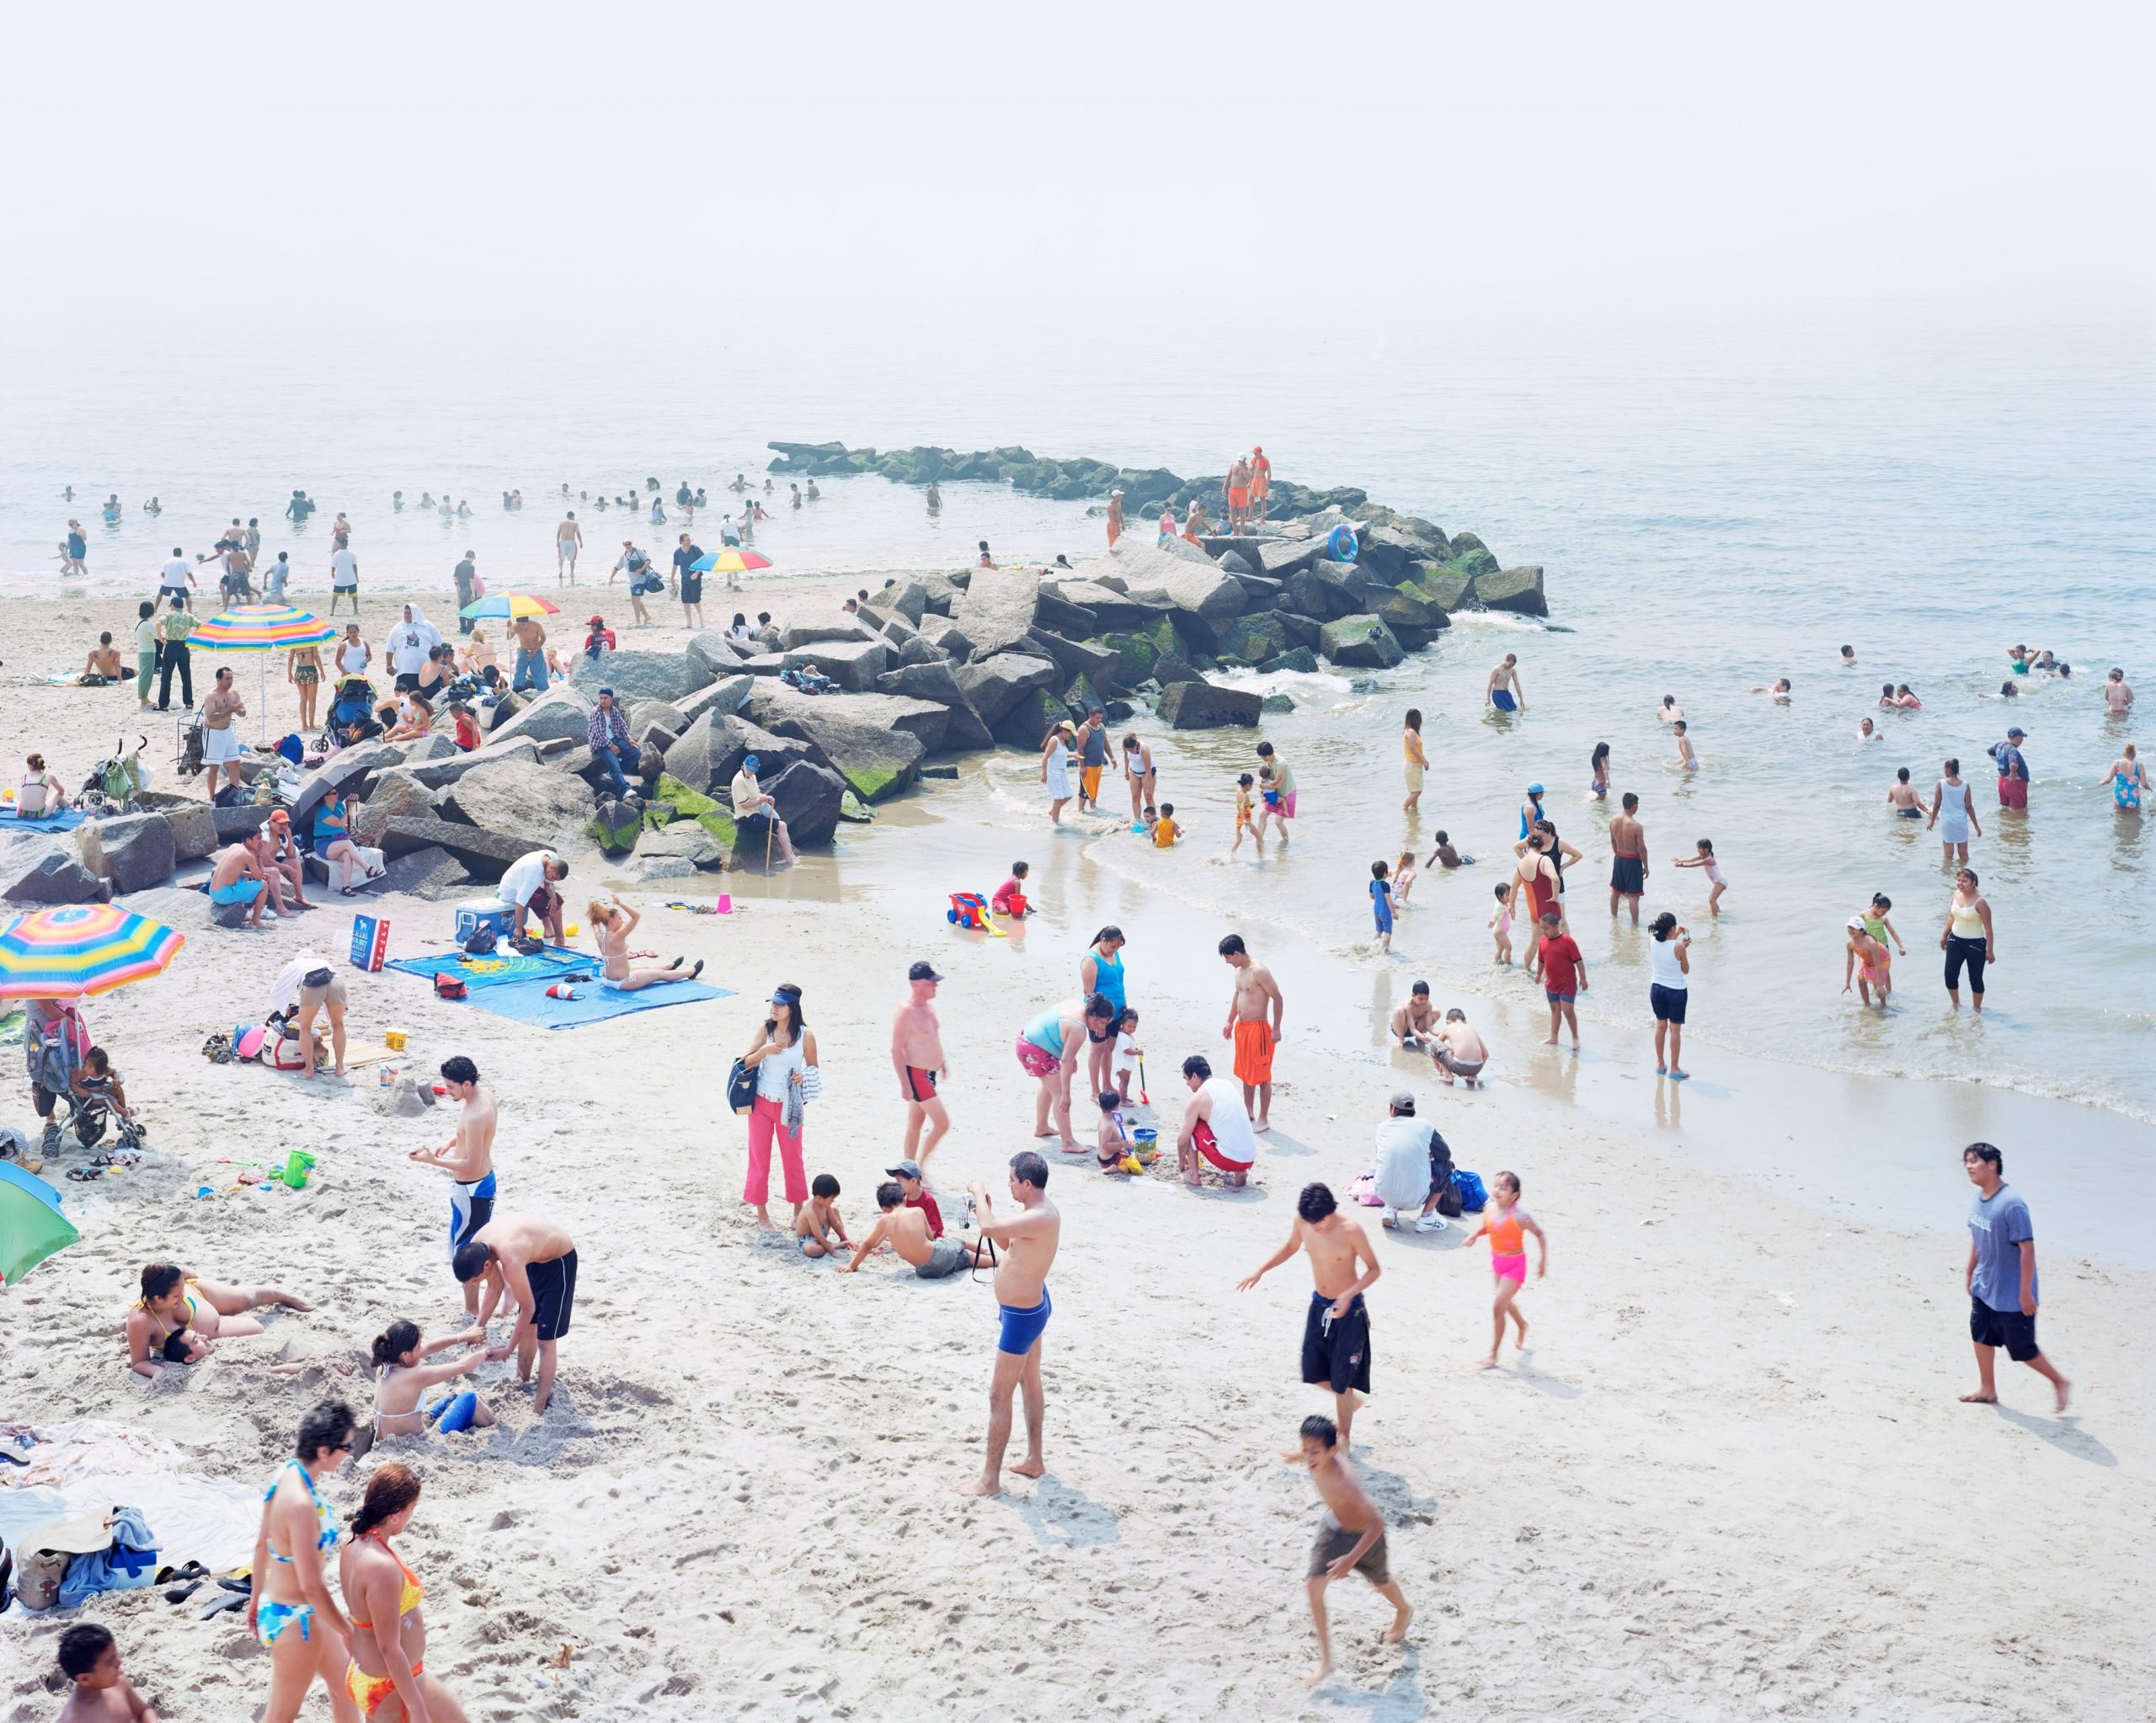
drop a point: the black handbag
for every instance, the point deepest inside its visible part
(741, 1088)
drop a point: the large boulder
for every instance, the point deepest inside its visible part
(809, 797)
(921, 650)
(719, 653)
(936, 681)
(994, 685)
(1252, 639)
(1362, 642)
(194, 831)
(713, 748)
(488, 854)
(342, 770)
(1518, 590)
(999, 606)
(432, 874)
(1406, 608)
(1298, 658)
(1100, 665)
(1111, 606)
(1059, 614)
(1027, 724)
(686, 840)
(1447, 588)
(645, 713)
(947, 638)
(615, 826)
(562, 713)
(438, 774)
(1325, 590)
(853, 664)
(1206, 706)
(723, 696)
(642, 675)
(1387, 549)
(1192, 583)
(910, 600)
(841, 626)
(876, 741)
(398, 794)
(135, 850)
(1280, 557)
(542, 808)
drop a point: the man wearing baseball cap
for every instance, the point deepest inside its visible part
(753, 808)
(917, 1056)
(2013, 769)
(283, 856)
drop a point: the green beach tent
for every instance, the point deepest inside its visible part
(31, 1225)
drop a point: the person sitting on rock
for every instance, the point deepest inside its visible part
(238, 892)
(753, 811)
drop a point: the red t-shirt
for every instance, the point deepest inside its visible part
(926, 1205)
(468, 732)
(1561, 964)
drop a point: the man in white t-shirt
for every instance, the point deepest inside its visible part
(179, 575)
(751, 804)
(343, 579)
(1407, 1167)
(410, 641)
(530, 886)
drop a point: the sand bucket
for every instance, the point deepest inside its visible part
(296, 1169)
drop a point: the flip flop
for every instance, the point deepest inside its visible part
(231, 1600)
(173, 1575)
(180, 1594)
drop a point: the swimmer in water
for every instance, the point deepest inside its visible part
(1780, 691)
(1670, 711)
(1503, 691)
(1705, 858)
(1685, 758)
(1867, 731)
(1597, 767)
(1848, 657)
(1902, 796)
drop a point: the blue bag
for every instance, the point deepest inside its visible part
(1468, 1187)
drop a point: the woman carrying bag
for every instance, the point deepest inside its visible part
(783, 1059)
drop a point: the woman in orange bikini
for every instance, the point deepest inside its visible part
(387, 1675)
(1504, 1223)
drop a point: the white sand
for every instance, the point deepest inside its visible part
(1730, 1479)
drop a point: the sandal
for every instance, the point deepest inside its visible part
(84, 1175)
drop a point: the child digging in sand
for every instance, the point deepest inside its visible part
(89, 1659)
(1350, 1539)
(1503, 1222)
(815, 1226)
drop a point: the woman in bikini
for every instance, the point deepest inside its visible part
(304, 670)
(401, 1380)
(1144, 780)
(290, 1608)
(176, 1300)
(611, 925)
(387, 1673)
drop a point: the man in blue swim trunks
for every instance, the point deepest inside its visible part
(467, 1157)
(238, 892)
(1023, 1246)
(1504, 692)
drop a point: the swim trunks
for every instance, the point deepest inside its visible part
(553, 1295)
(1088, 783)
(1559, 997)
(1337, 1349)
(1021, 1329)
(1628, 876)
(945, 1256)
(1239, 498)
(1502, 698)
(1469, 1068)
(1254, 1051)
(2010, 1329)
(240, 891)
(1037, 1060)
(1910, 813)
(1335, 1540)
(2013, 792)
(471, 1207)
(920, 1085)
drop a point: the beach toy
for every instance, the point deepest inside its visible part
(561, 990)
(968, 910)
(296, 1169)
(1340, 545)
(388, 1075)
(393, 1039)
(726, 903)
(1129, 1164)
(569, 931)
(1148, 1142)
(204, 1191)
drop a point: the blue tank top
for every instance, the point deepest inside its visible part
(1045, 1032)
(1108, 979)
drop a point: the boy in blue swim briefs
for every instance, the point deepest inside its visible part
(1024, 1248)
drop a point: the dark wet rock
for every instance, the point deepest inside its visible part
(1360, 643)
(1206, 706)
(534, 805)
(133, 851)
(1517, 590)
(994, 685)
(431, 874)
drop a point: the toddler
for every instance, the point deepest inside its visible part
(1381, 904)
(1501, 924)
(1165, 831)
(1127, 1052)
(818, 1220)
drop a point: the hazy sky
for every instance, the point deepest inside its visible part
(191, 170)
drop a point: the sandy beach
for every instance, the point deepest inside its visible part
(1730, 1477)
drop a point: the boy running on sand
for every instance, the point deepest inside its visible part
(1503, 1222)
(1350, 1539)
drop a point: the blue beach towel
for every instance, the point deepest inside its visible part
(502, 968)
(527, 1002)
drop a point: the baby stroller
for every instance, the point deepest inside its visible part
(116, 782)
(53, 1061)
(351, 714)
(191, 746)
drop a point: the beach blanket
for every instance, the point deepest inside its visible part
(502, 967)
(90, 1467)
(67, 819)
(527, 1002)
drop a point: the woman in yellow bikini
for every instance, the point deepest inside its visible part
(387, 1675)
(175, 1298)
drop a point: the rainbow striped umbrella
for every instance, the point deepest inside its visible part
(80, 950)
(512, 606)
(263, 628)
(729, 561)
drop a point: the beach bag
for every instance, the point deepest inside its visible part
(38, 1578)
(1468, 1188)
(524, 945)
(741, 1088)
(480, 943)
(1441, 1177)
(448, 986)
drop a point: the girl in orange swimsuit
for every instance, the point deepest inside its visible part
(1505, 1224)
(392, 1638)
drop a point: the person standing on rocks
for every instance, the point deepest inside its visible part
(1239, 495)
(1418, 761)
(1254, 1013)
(530, 671)
(1115, 517)
(917, 1056)
(1261, 481)
(568, 540)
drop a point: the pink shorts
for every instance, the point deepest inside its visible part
(1037, 1060)
(1513, 1268)
(1287, 806)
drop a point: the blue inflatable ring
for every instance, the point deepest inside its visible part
(1340, 545)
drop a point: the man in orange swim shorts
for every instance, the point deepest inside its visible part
(1253, 1024)
(1260, 479)
(1239, 495)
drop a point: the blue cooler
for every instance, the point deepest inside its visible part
(490, 911)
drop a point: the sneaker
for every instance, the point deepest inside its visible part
(1431, 1223)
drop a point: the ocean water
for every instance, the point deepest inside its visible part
(1714, 510)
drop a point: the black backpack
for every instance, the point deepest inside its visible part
(1441, 1169)
(480, 941)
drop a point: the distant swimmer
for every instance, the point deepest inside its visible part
(1504, 690)
(814, 494)
(397, 502)
(1780, 691)
(1669, 711)
(795, 489)
(2128, 779)
(1867, 731)
(1849, 657)
(1686, 759)
(935, 502)
(2118, 697)
(1598, 773)
(1902, 796)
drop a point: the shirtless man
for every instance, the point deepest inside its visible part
(917, 1056)
(568, 540)
(467, 1157)
(1350, 1539)
(1459, 1053)
(1503, 689)
(1239, 495)
(1415, 1024)
(1336, 1329)
(1260, 480)
(531, 656)
(2118, 696)
(1027, 1240)
(104, 659)
(1628, 858)
(236, 877)
(534, 1262)
(906, 1231)
(1255, 997)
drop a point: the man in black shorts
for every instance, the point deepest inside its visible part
(1337, 1327)
(534, 1261)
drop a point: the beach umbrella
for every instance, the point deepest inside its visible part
(729, 561)
(31, 1225)
(509, 607)
(263, 629)
(80, 950)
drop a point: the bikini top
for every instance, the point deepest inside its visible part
(324, 1513)
(157, 1322)
(1506, 1238)
(408, 1599)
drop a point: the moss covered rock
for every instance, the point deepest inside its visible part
(714, 817)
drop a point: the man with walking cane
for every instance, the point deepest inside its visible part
(750, 803)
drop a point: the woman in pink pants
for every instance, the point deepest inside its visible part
(782, 1050)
